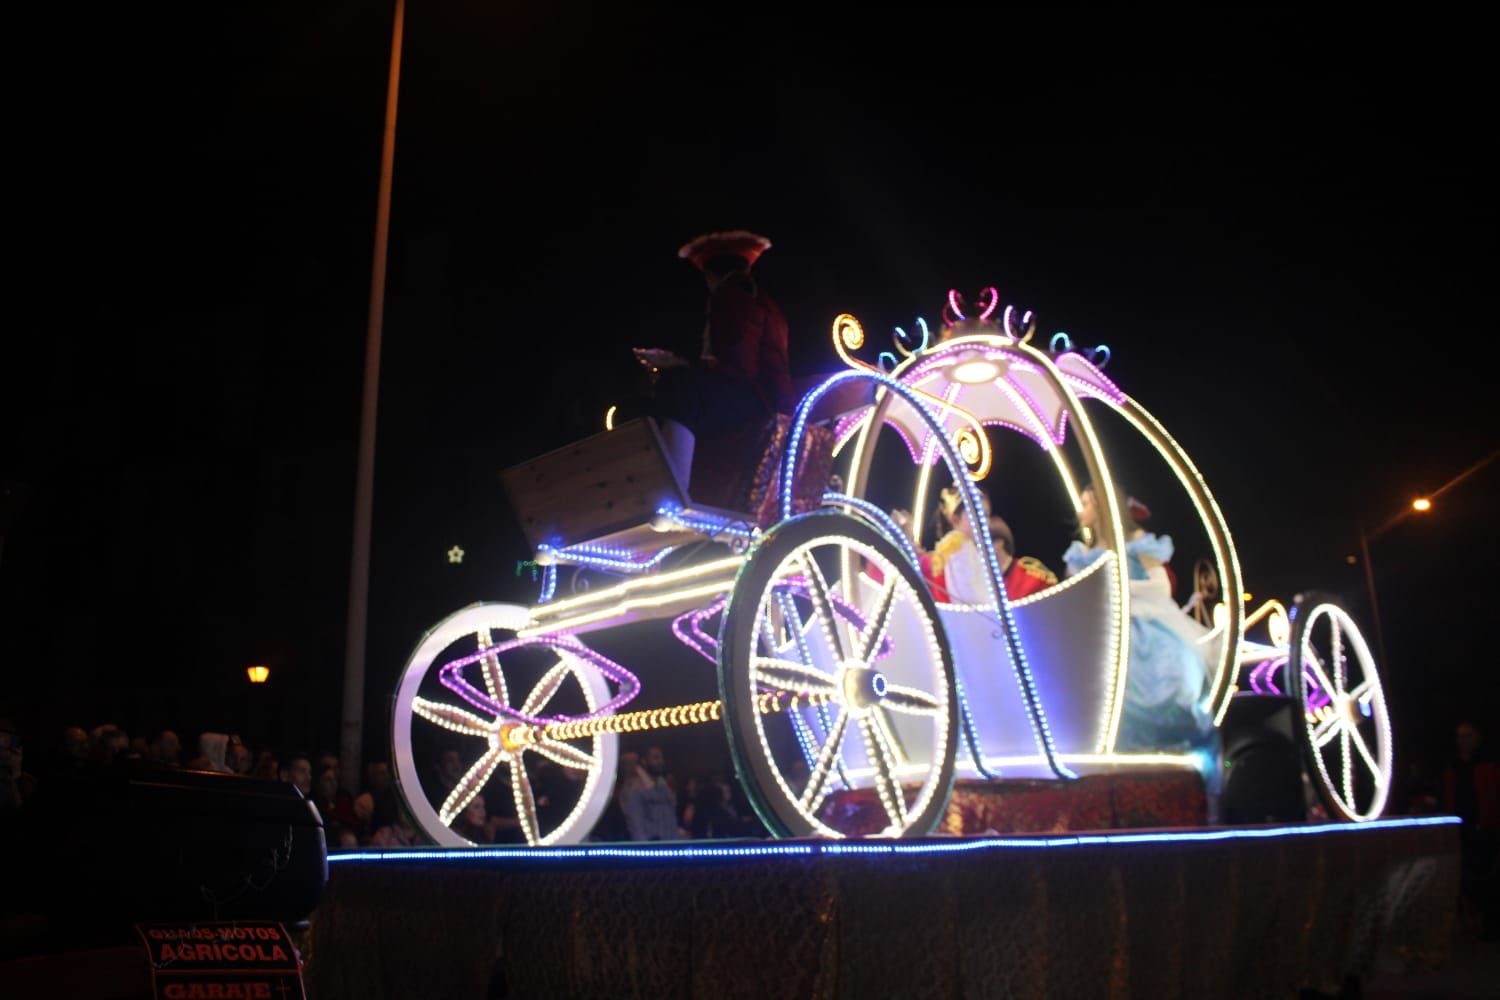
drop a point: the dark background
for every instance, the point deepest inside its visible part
(1284, 229)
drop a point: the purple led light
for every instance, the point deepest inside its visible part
(1088, 376)
(451, 676)
(1316, 696)
(1261, 680)
(688, 628)
(953, 304)
(1005, 317)
(984, 317)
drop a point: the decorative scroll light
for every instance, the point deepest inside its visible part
(849, 335)
(1061, 343)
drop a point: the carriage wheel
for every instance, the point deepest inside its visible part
(559, 788)
(837, 690)
(1347, 728)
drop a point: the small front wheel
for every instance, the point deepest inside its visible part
(457, 697)
(836, 676)
(1347, 729)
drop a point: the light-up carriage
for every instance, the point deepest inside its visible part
(851, 699)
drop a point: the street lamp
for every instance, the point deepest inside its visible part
(258, 674)
(1421, 505)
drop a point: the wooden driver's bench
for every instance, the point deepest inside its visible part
(607, 490)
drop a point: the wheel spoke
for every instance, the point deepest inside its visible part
(1364, 751)
(564, 753)
(494, 680)
(1311, 661)
(880, 759)
(520, 790)
(451, 717)
(474, 779)
(883, 726)
(823, 604)
(548, 685)
(784, 675)
(875, 631)
(794, 624)
(826, 758)
(899, 698)
(1325, 731)
(792, 621)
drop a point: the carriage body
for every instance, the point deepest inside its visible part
(837, 669)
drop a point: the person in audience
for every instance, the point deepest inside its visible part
(297, 770)
(650, 805)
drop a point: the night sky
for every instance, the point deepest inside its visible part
(1284, 230)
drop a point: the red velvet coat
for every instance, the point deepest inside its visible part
(747, 336)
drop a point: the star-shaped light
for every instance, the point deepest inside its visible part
(455, 555)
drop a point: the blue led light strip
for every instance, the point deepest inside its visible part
(995, 590)
(883, 520)
(603, 557)
(881, 847)
(713, 527)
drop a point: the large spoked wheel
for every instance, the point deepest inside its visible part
(555, 790)
(1347, 728)
(836, 677)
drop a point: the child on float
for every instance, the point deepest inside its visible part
(956, 564)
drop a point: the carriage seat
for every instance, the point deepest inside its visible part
(607, 488)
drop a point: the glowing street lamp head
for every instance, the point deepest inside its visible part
(258, 674)
(1421, 505)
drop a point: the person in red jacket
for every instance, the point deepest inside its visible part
(741, 374)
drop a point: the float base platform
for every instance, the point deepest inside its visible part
(1244, 911)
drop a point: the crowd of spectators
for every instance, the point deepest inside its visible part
(373, 816)
(650, 801)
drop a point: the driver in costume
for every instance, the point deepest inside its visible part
(741, 375)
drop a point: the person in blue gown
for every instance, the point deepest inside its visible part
(1167, 687)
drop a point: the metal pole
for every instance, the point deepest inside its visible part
(1364, 552)
(352, 735)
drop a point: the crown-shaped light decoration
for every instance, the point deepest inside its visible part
(961, 320)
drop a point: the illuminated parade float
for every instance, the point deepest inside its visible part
(855, 699)
(838, 670)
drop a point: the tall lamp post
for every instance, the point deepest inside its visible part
(1420, 505)
(352, 732)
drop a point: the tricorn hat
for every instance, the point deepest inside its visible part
(737, 242)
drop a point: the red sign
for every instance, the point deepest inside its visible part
(244, 960)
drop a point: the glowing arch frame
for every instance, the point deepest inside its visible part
(862, 432)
